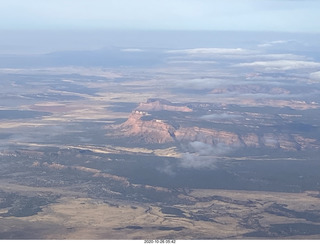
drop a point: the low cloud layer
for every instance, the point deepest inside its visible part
(315, 76)
(167, 169)
(281, 64)
(201, 155)
(132, 50)
(273, 43)
(199, 84)
(222, 116)
(281, 56)
(211, 51)
(197, 155)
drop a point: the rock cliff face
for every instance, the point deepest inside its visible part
(158, 131)
(143, 127)
(208, 136)
(153, 131)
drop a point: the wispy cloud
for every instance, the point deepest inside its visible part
(280, 56)
(201, 155)
(199, 84)
(315, 76)
(273, 43)
(132, 50)
(222, 116)
(215, 55)
(167, 169)
(211, 51)
(281, 64)
(192, 62)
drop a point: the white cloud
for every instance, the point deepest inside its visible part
(210, 55)
(315, 76)
(132, 50)
(211, 51)
(167, 169)
(281, 64)
(273, 43)
(220, 116)
(192, 62)
(199, 84)
(281, 56)
(193, 161)
(202, 155)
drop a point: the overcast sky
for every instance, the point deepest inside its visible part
(249, 15)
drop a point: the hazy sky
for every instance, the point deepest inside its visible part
(250, 15)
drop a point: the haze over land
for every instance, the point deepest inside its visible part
(148, 120)
(214, 137)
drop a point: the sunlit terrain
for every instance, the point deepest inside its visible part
(214, 138)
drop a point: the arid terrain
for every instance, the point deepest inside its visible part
(194, 143)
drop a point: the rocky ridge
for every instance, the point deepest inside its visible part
(144, 128)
